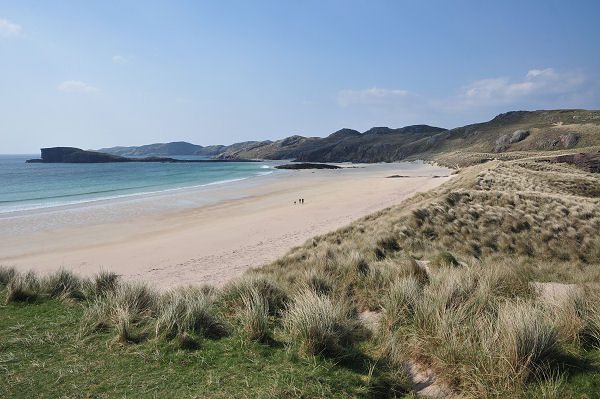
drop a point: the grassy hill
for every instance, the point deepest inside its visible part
(541, 131)
(163, 149)
(379, 144)
(548, 133)
(487, 284)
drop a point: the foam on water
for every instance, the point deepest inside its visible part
(29, 187)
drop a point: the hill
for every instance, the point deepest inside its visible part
(378, 144)
(517, 134)
(503, 137)
(173, 148)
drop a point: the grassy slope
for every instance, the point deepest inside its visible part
(42, 356)
(511, 223)
(471, 144)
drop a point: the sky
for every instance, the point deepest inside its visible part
(94, 74)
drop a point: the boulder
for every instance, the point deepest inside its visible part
(502, 143)
(518, 135)
(569, 140)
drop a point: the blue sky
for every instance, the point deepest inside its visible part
(103, 73)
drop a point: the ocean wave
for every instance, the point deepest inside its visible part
(26, 205)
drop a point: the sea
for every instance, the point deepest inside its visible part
(39, 186)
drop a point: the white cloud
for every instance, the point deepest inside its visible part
(122, 59)
(537, 84)
(539, 88)
(370, 96)
(9, 29)
(75, 86)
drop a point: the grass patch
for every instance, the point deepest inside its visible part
(319, 325)
(41, 357)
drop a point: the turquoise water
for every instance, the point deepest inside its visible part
(33, 186)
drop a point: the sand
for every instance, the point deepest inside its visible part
(205, 235)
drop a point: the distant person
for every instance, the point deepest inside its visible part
(302, 201)
(294, 202)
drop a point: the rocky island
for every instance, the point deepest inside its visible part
(306, 165)
(77, 155)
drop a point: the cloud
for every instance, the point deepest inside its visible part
(75, 86)
(537, 84)
(538, 88)
(370, 96)
(122, 59)
(9, 29)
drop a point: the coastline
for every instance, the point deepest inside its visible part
(208, 234)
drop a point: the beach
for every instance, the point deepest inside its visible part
(206, 235)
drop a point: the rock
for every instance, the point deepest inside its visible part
(569, 140)
(518, 135)
(502, 143)
(307, 166)
(590, 162)
(503, 140)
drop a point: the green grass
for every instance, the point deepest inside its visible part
(42, 356)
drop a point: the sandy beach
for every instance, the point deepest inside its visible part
(206, 235)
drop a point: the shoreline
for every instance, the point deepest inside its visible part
(221, 232)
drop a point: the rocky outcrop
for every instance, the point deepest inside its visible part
(506, 140)
(590, 162)
(518, 135)
(77, 155)
(569, 140)
(502, 143)
(307, 165)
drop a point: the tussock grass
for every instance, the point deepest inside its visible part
(443, 259)
(400, 304)
(255, 316)
(186, 311)
(320, 325)
(128, 309)
(234, 292)
(6, 275)
(318, 282)
(63, 284)
(528, 343)
(104, 282)
(22, 288)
